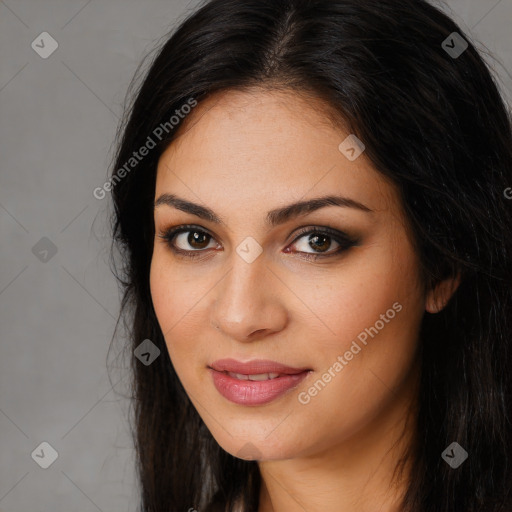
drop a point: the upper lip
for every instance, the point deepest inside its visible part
(254, 367)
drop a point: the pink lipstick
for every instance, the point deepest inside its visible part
(255, 382)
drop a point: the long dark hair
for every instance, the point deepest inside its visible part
(435, 124)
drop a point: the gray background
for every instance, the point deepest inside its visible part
(58, 118)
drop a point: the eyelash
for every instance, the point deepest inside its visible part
(344, 240)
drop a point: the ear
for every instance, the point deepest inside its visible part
(438, 297)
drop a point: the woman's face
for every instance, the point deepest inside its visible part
(343, 326)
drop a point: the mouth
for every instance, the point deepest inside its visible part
(254, 377)
(255, 382)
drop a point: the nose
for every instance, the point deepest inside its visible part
(248, 304)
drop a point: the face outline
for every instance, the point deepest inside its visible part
(247, 153)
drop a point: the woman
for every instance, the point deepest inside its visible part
(310, 200)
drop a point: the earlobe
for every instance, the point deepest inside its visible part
(438, 297)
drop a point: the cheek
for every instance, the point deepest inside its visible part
(163, 292)
(175, 292)
(344, 302)
(173, 299)
(374, 314)
(179, 298)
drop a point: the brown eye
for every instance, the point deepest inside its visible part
(192, 242)
(320, 242)
(185, 239)
(315, 243)
(197, 239)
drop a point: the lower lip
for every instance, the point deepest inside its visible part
(252, 392)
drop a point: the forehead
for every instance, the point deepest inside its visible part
(262, 147)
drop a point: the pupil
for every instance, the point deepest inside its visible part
(314, 238)
(194, 236)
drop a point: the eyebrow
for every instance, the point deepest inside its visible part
(274, 217)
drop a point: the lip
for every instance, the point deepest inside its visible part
(253, 367)
(251, 393)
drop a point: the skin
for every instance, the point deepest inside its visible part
(243, 153)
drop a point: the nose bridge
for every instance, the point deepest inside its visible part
(245, 299)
